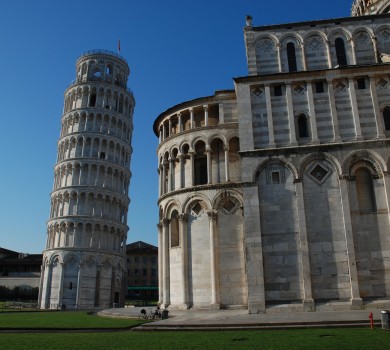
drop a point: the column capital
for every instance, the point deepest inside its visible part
(206, 107)
(386, 173)
(159, 226)
(297, 180)
(166, 222)
(183, 217)
(213, 215)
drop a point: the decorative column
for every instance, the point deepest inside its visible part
(312, 113)
(166, 277)
(213, 260)
(290, 111)
(192, 118)
(209, 173)
(380, 128)
(182, 170)
(164, 169)
(61, 284)
(49, 269)
(375, 47)
(386, 181)
(206, 115)
(180, 122)
(160, 263)
(279, 56)
(356, 301)
(192, 160)
(352, 42)
(355, 110)
(184, 259)
(41, 285)
(78, 291)
(97, 286)
(308, 302)
(332, 103)
(227, 172)
(270, 124)
(328, 54)
(221, 114)
(170, 174)
(304, 63)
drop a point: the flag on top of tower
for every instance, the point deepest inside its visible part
(119, 46)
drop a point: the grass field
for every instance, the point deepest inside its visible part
(313, 339)
(340, 339)
(59, 319)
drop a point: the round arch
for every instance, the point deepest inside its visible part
(269, 161)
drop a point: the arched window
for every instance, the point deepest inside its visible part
(302, 126)
(365, 191)
(340, 52)
(291, 57)
(386, 118)
(200, 164)
(92, 101)
(174, 229)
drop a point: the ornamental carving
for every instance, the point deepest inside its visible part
(384, 34)
(315, 43)
(197, 209)
(257, 92)
(362, 39)
(299, 89)
(347, 177)
(319, 172)
(340, 86)
(266, 45)
(382, 83)
(166, 222)
(229, 205)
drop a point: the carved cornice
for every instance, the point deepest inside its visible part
(200, 188)
(347, 177)
(227, 126)
(326, 147)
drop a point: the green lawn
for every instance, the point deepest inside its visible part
(338, 339)
(62, 319)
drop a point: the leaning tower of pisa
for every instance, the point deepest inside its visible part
(83, 262)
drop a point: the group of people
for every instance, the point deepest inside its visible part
(153, 315)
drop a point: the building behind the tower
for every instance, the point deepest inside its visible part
(278, 192)
(84, 259)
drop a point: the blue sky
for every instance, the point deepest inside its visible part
(176, 50)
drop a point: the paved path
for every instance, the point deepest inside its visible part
(240, 319)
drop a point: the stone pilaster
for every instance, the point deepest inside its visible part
(213, 215)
